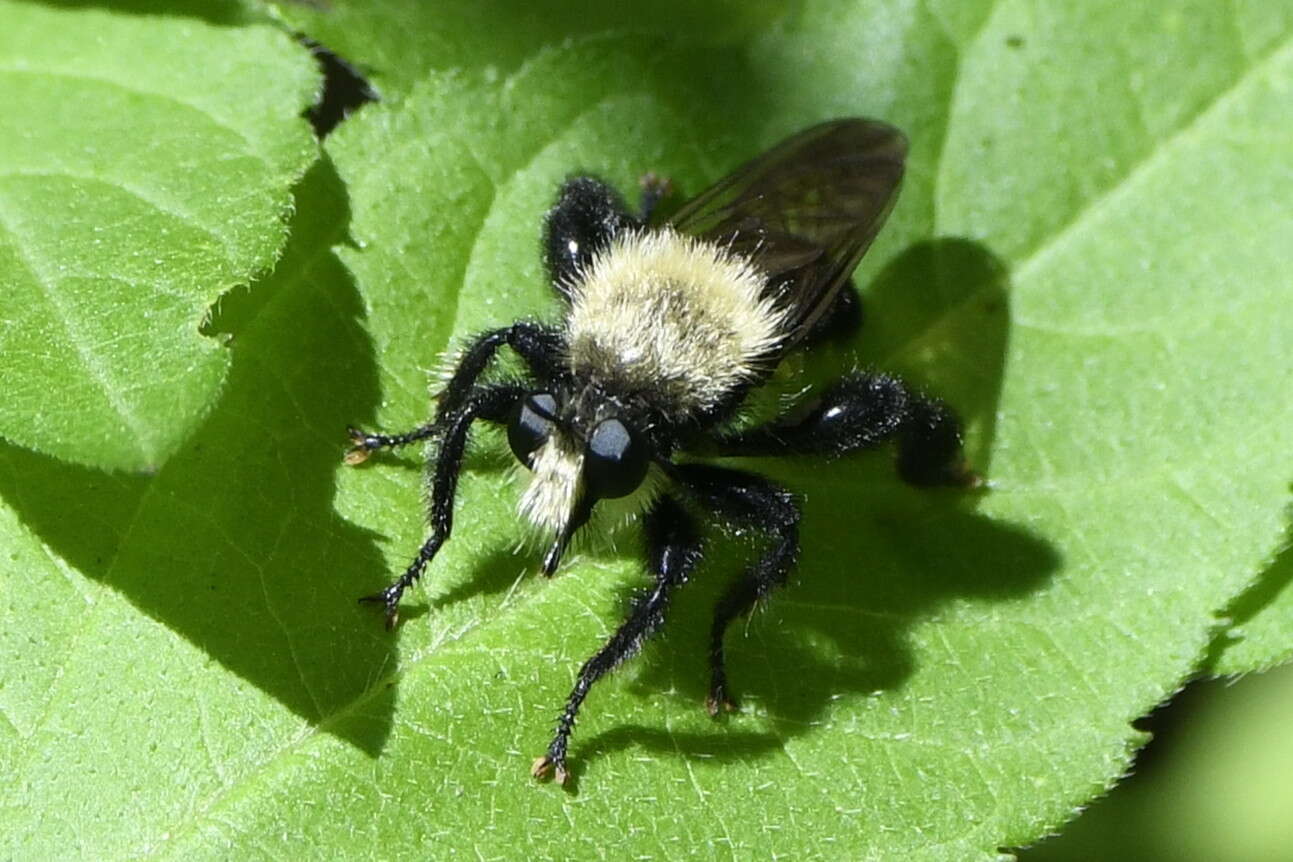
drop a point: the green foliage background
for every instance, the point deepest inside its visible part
(1091, 259)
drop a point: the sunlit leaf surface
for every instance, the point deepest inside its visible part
(146, 168)
(1090, 259)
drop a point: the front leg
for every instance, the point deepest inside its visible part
(673, 549)
(492, 403)
(540, 346)
(743, 500)
(364, 443)
(862, 411)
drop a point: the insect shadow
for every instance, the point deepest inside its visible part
(1270, 585)
(234, 542)
(879, 557)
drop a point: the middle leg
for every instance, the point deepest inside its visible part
(842, 320)
(744, 499)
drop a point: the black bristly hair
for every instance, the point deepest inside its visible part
(587, 216)
(597, 436)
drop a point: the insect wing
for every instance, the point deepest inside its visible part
(805, 212)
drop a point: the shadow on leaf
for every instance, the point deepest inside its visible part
(721, 745)
(879, 557)
(234, 543)
(1268, 588)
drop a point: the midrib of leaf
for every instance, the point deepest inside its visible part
(1091, 209)
(952, 93)
(170, 98)
(1162, 148)
(77, 339)
(168, 206)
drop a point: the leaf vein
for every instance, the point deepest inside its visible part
(76, 338)
(139, 91)
(165, 205)
(1163, 148)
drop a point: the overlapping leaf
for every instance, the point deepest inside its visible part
(145, 169)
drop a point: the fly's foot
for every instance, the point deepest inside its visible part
(719, 702)
(390, 597)
(550, 766)
(655, 188)
(961, 475)
(364, 444)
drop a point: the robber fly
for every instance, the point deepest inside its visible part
(666, 330)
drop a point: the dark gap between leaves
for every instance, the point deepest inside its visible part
(345, 90)
(1168, 724)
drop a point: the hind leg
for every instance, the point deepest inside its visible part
(585, 219)
(862, 411)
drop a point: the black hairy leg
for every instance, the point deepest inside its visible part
(862, 411)
(586, 217)
(365, 443)
(540, 346)
(929, 448)
(492, 403)
(744, 500)
(673, 549)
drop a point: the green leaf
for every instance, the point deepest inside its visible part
(203, 616)
(946, 676)
(134, 193)
(1216, 790)
(397, 42)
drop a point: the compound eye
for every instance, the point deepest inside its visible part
(615, 460)
(531, 425)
